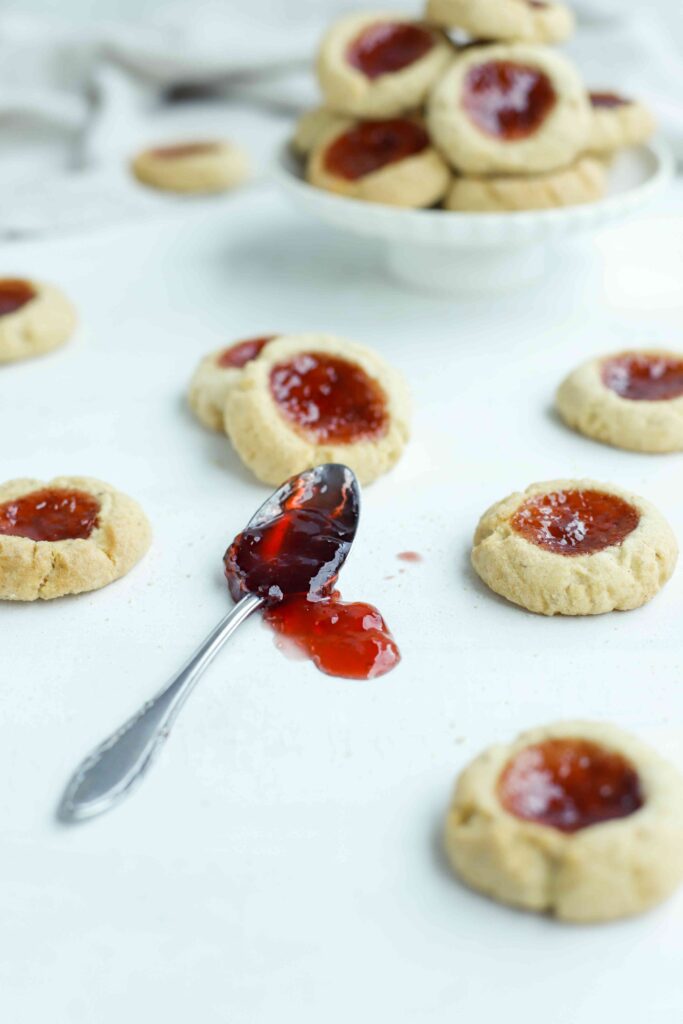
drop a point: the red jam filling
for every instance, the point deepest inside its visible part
(243, 352)
(329, 399)
(569, 784)
(644, 378)
(291, 557)
(607, 100)
(53, 513)
(340, 638)
(575, 522)
(507, 100)
(387, 46)
(184, 149)
(374, 144)
(14, 293)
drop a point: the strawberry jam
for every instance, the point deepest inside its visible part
(644, 377)
(387, 46)
(607, 100)
(569, 784)
(53, 513)
(243, 352)
(575, 522)
(507, 100)
(290, 555)
(14, 293)
(341, 639)
(183, 150)
(371, 145)
(329, 399)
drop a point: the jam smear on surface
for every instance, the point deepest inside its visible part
(184, 149)
(14, 293)
(575, 522)
(290, 554)
(569, 784)
(607, 100)
(507, 100)
(329, 399)
(388, 46)
(409, 556)
(243, 352)
(371, 145)
(341, 638)
(52, 514)
(644, 377)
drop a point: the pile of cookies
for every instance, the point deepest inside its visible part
(468, 108)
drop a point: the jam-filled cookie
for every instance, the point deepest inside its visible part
(201, 167)
(379, 65)
(631, 400)
(582, 182)
(578, 819)
(514, 109)
(34, 318)
(311, 127)
(522, 21)
(66, 536)
(390, 161)
(574, 547)
(617, 122)
(216, 374)
(313, 398)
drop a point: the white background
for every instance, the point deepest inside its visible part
(281, 863)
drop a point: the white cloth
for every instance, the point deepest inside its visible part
(77, 97)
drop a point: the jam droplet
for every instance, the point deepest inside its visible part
(342, 639)
(374, 144)
(509, 101)
(14, 293)
(575, 522)
(409, 556)
(569, 784)
(51, 514)
(243, 352)
(329, 399)
(183, 150)
(643, 377)
(290, 555)
(388, 46)
(607, 100)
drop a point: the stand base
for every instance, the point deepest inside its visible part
(449, 270)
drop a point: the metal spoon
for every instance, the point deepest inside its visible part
(118, 764)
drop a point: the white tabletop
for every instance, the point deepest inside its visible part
(282, 861)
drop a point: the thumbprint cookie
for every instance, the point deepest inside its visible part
(583, 182)
(576, 819)
(380, 65)
(67, 536)
(390, 161)
(574, 547)
(617, 122)
(200, 167)
(311, 127)
(34, 318)
(215, 376)
(513, 21)
(509, 109)
(631, 400)
(314, 398)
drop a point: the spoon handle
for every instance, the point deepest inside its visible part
(113, 769)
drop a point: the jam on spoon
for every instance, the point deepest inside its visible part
(290, 555)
